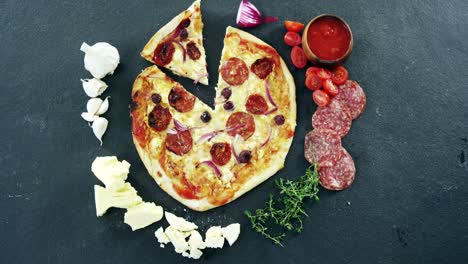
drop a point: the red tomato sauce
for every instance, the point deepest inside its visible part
(328, 38)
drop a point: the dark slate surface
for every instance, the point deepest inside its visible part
(407, 205)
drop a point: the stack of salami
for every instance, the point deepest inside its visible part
(323, 144)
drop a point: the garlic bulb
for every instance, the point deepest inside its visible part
(103, 107)
(93, 87)
(100, 59)
(89, 116)
(93, 105)
(99, 127)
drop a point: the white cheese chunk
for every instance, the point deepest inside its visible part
(195, 253)
(143, 215)
(196, 241)
(124, 198)
(111, 172)
(177, 239)
(179, 223)
(214, 237)
(161, 236)
(231, 233)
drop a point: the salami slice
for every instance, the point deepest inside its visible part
(163, 53)
(335, 116)
(159, 118)
(262, 67)
(192, 51)
(241, 123)
(256, 104)
(341, 175)
(220, 153)
(234, 71)
(322, 146)
(352, 96)
(181, 100)
(179, 143)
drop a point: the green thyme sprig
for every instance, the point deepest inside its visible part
(286, 211)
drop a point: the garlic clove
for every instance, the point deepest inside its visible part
(93, 87)
(89, 116)
(93, 105)
(100, 59)
(103, 107)
(99, 127)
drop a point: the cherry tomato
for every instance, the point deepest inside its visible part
(298, 57)
(339, 75)
(321, 98)
(292, 39)
(324, 74)
(312, 70)
(293, 26)
(313, 82)
(330, 88)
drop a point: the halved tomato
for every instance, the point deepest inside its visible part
(293, 26)
(339, 75)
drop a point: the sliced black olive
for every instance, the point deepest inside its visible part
(245, 156)
(156, 98)
(228, 105)
(205, 117)
(226, 93)
(279, 119)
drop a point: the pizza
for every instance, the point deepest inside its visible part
(178, 46)
(206, 157)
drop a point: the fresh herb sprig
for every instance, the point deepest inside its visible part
(286, 211)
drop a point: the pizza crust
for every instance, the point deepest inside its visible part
(276, 161)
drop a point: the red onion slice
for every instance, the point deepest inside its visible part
(184, 51)
(233, 147)
(249, 16)
(199, 77)
(179, 126)
(207, 137)
(172, 131)
(267, 89)
(213, 166)
(267, 140)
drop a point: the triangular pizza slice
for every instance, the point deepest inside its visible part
(178, 46)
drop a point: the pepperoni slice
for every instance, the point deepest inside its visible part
(262, 67)
(241, 124)
(335, 116)
(322, 146)
(192, 51)
(181, 100)
(159, 118)
(341, 175)
(353, 97)
(256, 104)
(163, 53)
(180, 143)
(234, 71)
(220, 153)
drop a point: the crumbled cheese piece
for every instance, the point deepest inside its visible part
(214, 237)
(100, 59)
(196, 240)
(231, 233)
(180, 223)
(124, 198)
(195, 253)
(143, 215)
(161, 236)
(111, 172)
(177, 239)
